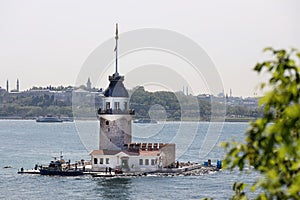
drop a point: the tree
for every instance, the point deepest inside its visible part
(272, 143)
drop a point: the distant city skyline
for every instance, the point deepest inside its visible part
(89, 85)
(46, 42)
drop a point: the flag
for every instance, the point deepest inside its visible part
(116, 37)
(116, 29)
(115, 48)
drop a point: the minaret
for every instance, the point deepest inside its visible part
(89, 84)
(18, 86)
(114, 115)
(187, 91)
(7, 86)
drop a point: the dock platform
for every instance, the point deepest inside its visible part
(29, 171)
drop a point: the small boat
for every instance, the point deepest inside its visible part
(67, 119)
(145, 121)
(49, 118)
(60, 168)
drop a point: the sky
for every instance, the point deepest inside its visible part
(46, 42)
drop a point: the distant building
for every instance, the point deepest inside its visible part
(7, 86)
(2, 90)
(17, 90)
(89, 85)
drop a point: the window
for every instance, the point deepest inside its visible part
(141, 161)
(117, 105)
(107, 105)
(125, 105)
(107, 122)
(101, 161)
(152, 161)
(95, 161)
(107, 160)
(146, 161)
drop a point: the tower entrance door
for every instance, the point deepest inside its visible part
(124, 163)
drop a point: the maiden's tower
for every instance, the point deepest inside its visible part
(116, 149)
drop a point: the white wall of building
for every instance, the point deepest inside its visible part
(148, 163)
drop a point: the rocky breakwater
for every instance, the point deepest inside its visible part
(187, 169)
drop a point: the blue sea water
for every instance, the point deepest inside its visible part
(25, 143)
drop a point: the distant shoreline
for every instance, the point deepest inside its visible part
(185, 120)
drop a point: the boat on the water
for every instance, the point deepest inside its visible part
(49, 118)
(60, 168)
(67, 119)
(145, 121)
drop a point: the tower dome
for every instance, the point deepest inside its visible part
(116, 87)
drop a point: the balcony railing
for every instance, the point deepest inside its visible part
(115, 112)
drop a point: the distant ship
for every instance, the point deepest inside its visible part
(49, 118)
(67, 119)
(145, 121)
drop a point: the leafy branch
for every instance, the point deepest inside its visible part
(272, 143)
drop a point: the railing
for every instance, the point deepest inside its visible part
(115, 111)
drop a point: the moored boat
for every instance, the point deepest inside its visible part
(60, 168)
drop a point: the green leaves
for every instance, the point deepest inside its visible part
(272, 143)
(239, 193)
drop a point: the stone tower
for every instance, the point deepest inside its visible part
(114, 115)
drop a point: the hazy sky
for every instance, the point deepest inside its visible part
(46, 42)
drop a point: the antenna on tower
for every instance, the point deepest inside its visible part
(116, 50)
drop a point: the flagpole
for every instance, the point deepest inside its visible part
(116, 49)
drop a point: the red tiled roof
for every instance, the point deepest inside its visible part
(105, 152)
(135, 152)
(112, 152)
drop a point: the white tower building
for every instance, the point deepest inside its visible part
(116, 150)
(115, 116)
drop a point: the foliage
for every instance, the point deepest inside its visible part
(272, 143)
(239, 193)
(176, 103)
(142, 100)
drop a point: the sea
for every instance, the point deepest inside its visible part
(24, 143)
